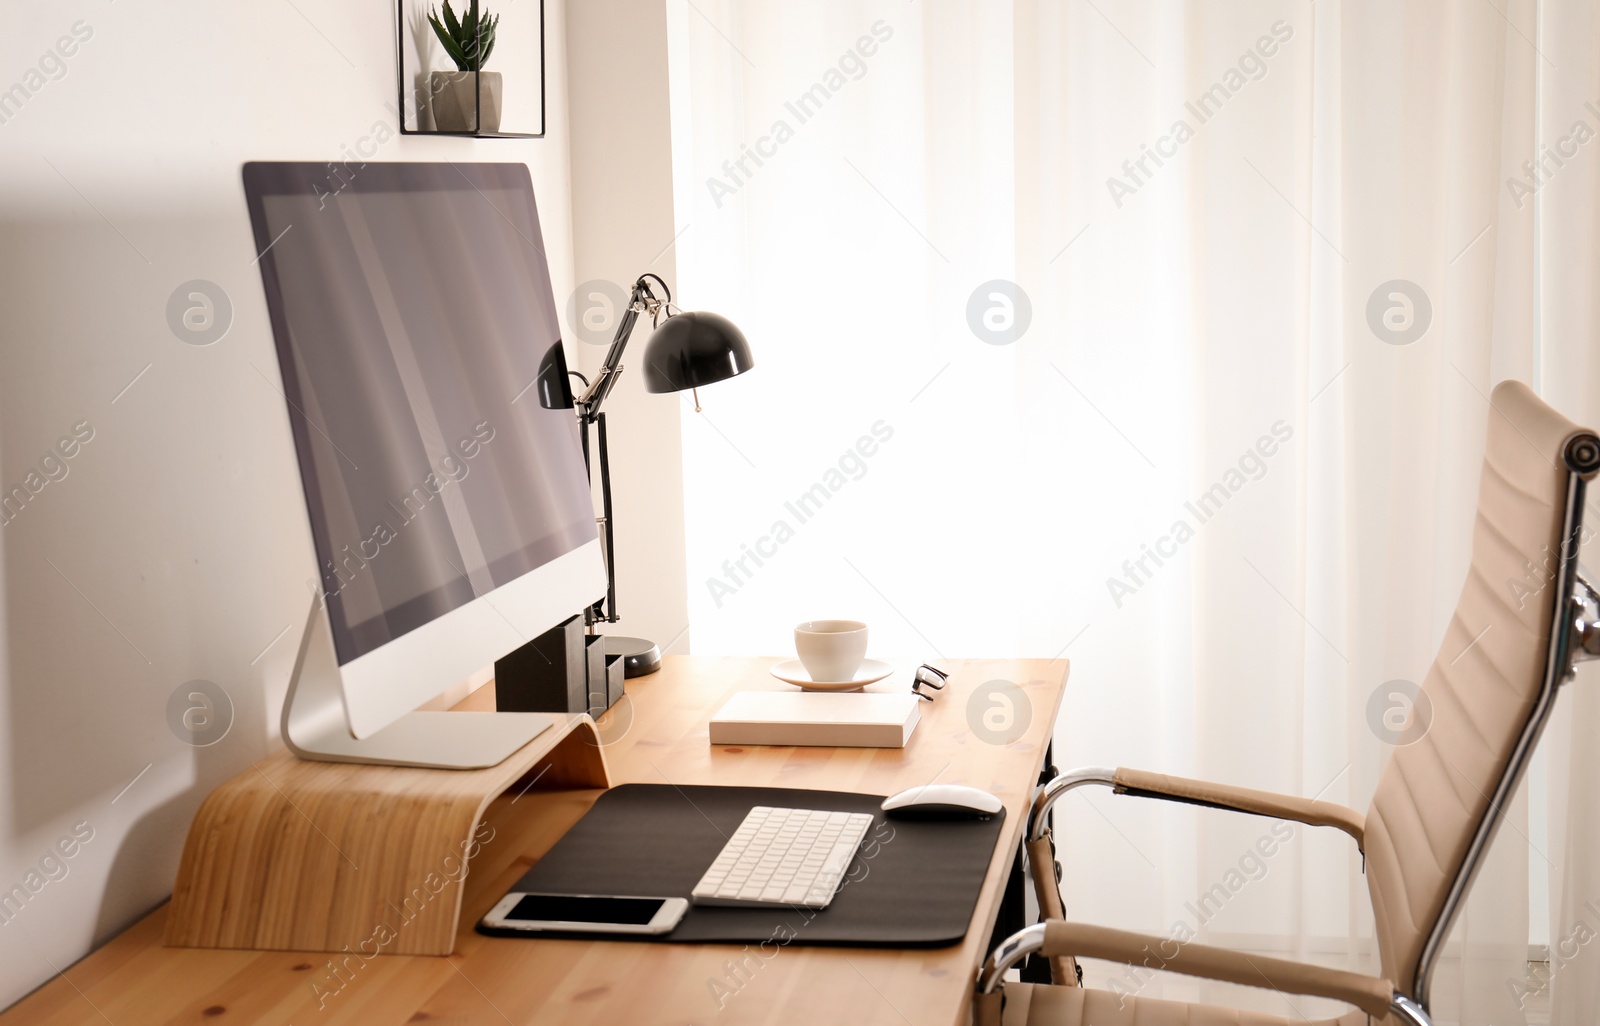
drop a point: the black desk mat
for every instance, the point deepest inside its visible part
(914, 883)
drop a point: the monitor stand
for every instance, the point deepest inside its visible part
(314, 725)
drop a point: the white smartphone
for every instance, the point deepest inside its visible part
(586, 913)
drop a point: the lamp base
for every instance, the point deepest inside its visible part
(640, 657)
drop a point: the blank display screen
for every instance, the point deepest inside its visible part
(413, 314)
(562, 909)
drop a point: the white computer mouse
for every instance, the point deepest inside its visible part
(942, 801)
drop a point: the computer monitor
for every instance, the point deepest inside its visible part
(420, 357)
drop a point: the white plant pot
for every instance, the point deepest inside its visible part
(456, 102)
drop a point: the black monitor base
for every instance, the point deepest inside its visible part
(640, 657)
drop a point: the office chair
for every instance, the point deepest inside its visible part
(1525, 617)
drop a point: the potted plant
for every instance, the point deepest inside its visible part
(468, 95)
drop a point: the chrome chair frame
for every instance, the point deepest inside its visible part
(1575, 638)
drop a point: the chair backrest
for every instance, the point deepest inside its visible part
(1490, 687)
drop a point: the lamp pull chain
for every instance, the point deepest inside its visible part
(696, 393)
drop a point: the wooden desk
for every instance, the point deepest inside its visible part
(135, 981)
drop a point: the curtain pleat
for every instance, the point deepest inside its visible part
(1157, 337)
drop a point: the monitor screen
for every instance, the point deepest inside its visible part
(412, 309)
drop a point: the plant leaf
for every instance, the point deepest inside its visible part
(469, 35)
(446, 40)
(451, 23)
(486, 39)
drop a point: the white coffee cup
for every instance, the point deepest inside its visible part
(831, 650)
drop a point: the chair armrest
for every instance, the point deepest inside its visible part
(1372, 995)
(1041, 860)
(1142, 784)
(1240, 799)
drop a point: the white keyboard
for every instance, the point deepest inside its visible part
(783, 857)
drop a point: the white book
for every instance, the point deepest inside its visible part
(827, 720)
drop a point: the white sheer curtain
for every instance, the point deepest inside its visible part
(1198, 459)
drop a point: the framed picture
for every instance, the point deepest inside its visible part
(471, 68)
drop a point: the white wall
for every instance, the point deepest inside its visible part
(176, 547)
(622, 203)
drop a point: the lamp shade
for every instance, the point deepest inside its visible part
(694, 349)
(554, 385)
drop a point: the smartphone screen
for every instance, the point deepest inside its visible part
(562, 909)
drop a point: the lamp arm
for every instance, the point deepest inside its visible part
(606, 378)
(589, 414)
(642, 298)
(607, 614)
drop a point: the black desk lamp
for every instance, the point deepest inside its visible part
(685, 351)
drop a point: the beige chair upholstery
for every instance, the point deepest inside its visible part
(1433, 794)
(1489, 688)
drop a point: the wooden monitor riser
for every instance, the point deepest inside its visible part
(326, 856)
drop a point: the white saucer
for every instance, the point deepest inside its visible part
(792, 671)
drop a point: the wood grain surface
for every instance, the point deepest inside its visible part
(294, 855)
(657, 735)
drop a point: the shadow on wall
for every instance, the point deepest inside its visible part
(153, 529)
